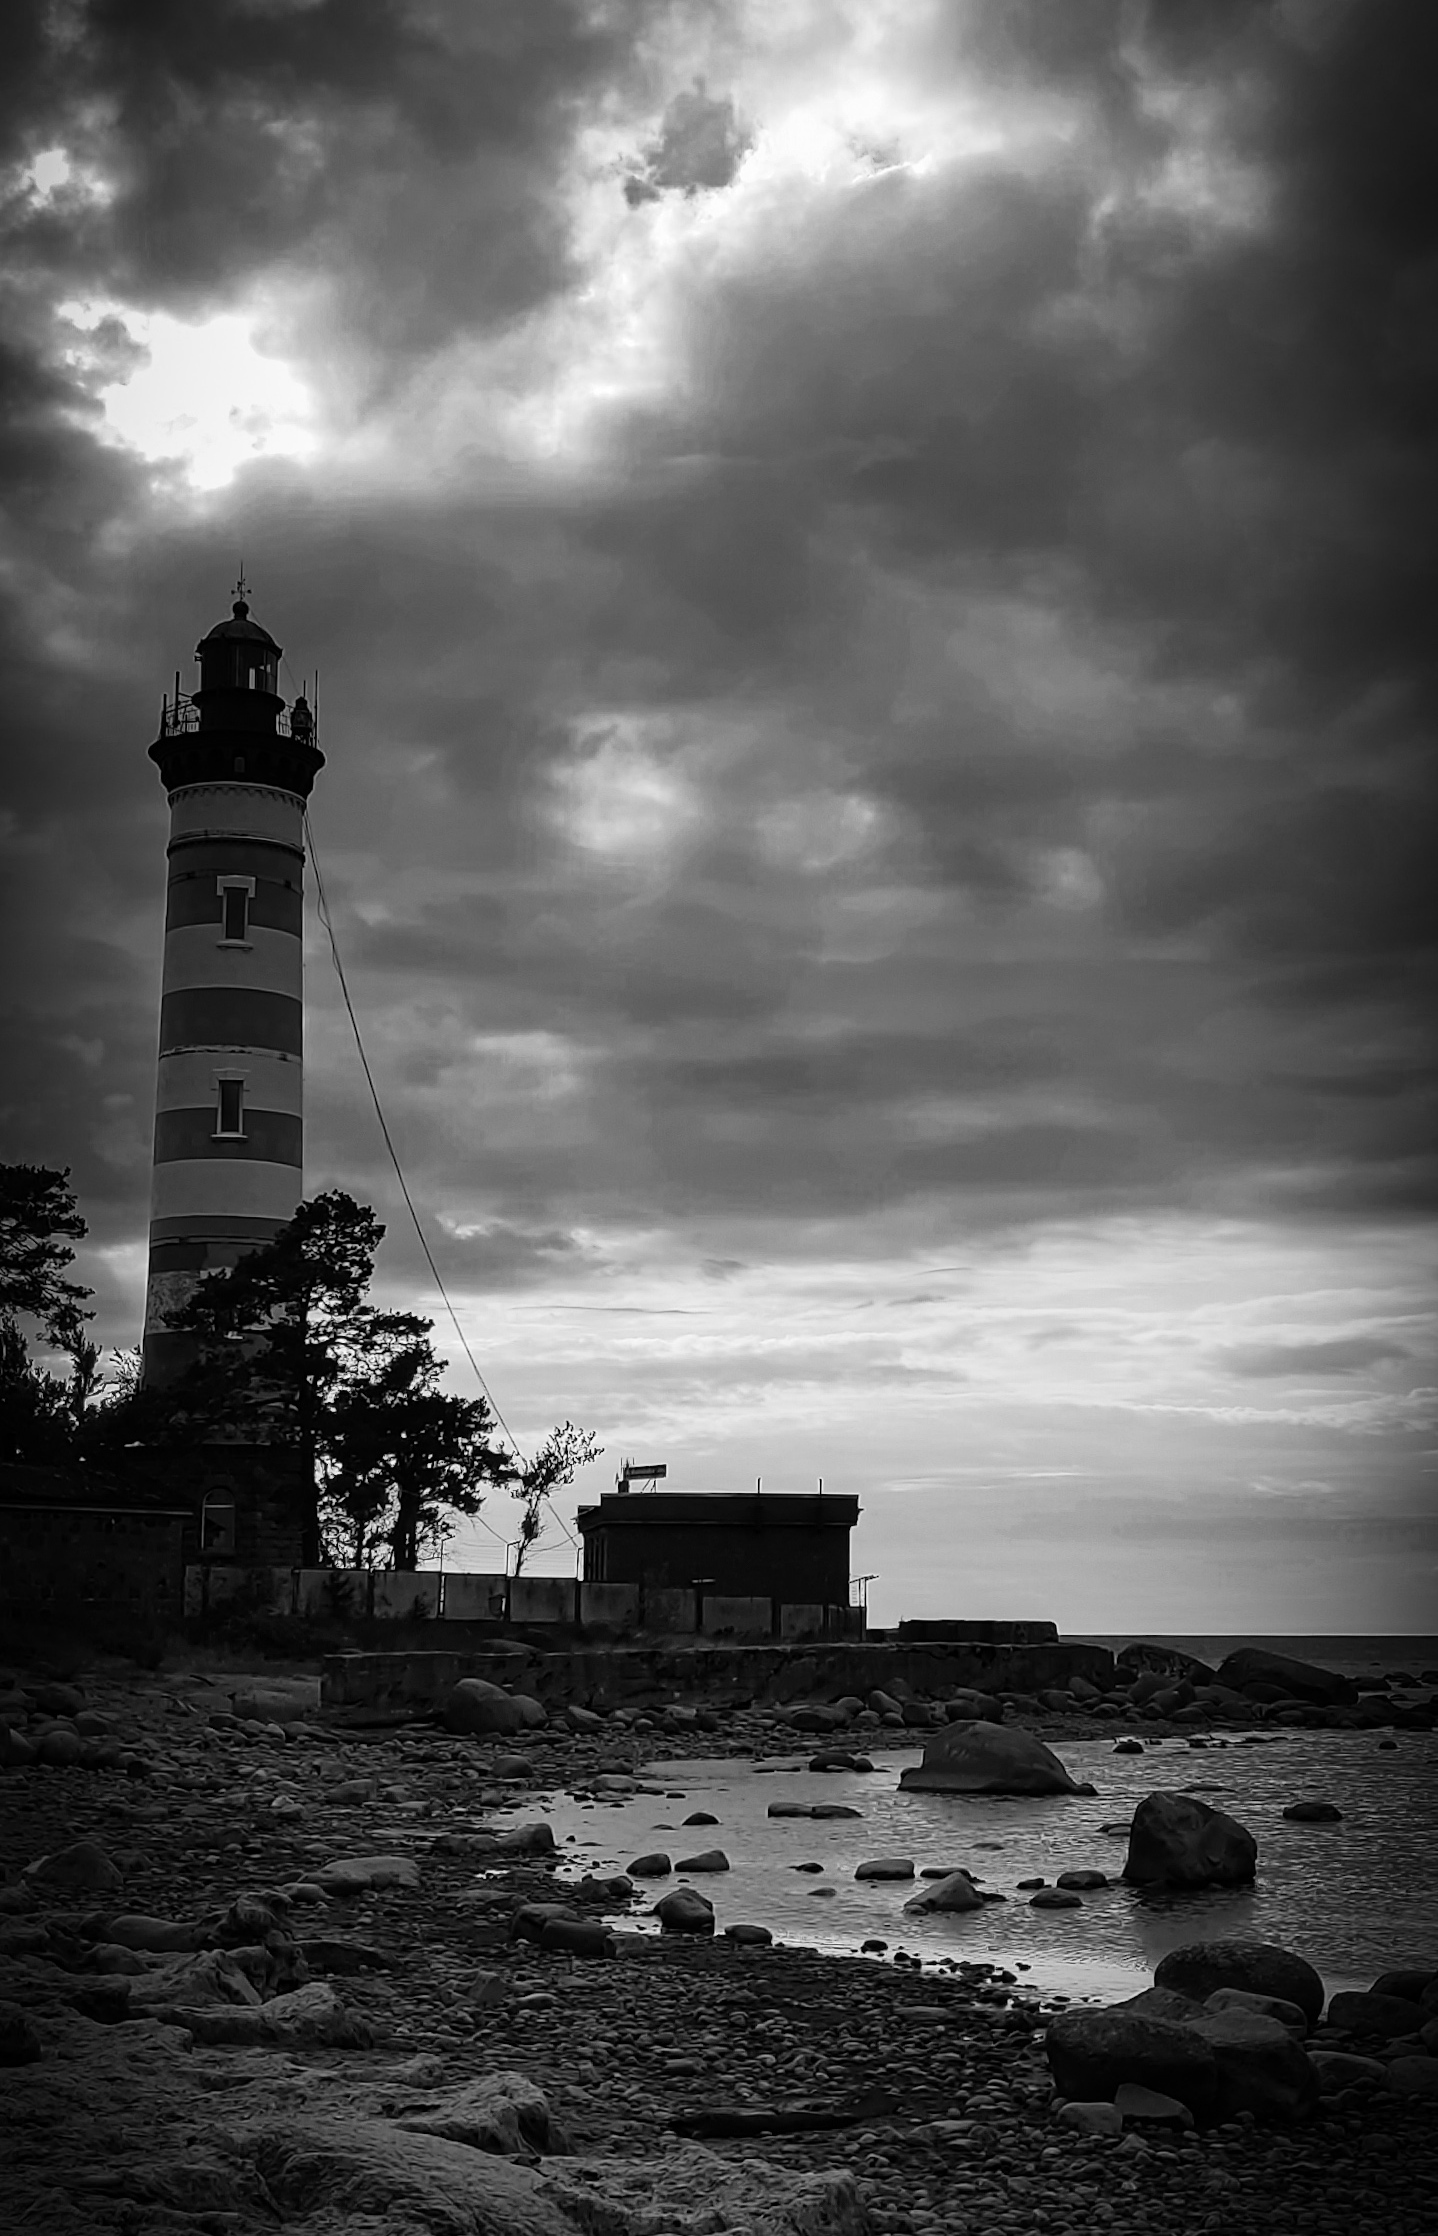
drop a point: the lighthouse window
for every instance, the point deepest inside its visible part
(237, 911)
(232, 1108)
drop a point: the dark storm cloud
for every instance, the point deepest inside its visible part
(700, 145)
(1199, 446)
(357, 135)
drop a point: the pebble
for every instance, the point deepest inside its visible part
(974, 2144)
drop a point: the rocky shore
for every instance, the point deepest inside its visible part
(260, 1970)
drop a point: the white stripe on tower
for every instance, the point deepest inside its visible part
(229, 1103)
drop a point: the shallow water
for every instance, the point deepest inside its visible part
(1354, 1897)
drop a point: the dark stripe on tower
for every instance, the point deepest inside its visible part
(203, 1230)
(231, 1017)
(209, 850)
(196, 900)
(272, 1136)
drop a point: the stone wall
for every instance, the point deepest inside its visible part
(725, 1674)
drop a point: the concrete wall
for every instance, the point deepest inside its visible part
(608, 1607)
(732, 1617)
(541, 1599)
(669, 1612)
(547, 1603)
(403, 1596)
(474, 1599)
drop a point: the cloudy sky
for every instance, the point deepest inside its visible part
(872, 568)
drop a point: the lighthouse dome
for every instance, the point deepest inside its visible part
(238, 628)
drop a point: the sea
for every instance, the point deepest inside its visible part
(1356, 1897)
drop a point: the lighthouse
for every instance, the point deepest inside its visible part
(229, 1100)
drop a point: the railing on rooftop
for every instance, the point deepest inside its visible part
(180, 716)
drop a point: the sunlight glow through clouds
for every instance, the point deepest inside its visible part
(206, 399)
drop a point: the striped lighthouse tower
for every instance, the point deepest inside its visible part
(229, 1125)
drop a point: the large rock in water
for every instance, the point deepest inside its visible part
(1254, 1665)
(1176, 1840)
(988, 1758)
(1260, 1967)
(957, 1892)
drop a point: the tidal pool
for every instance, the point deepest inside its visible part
(1354, 1897)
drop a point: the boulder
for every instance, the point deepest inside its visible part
(686, 1910)
(1267, 2007)
(16, 1751)
(956, 1892)
(161, 1936)
(818, 1719)
(655, 1865)
(581, 1937)
(1178, 1841)
(1091, 2119)
(1412, 1981)
(277, 1700)
(1259, 1966)
(884, 1704)
(1301, 1680)
(1083, 1881)
(974, 1707)
(531, 1918)
(212, 1976)
(54, 1699)
(749, 1936)
(474, 1706)
(81, 1869)
(351, 1875)
(1414, 2076)
(311, 2017)
(839, 1758)
(988, 1758)
(1162, 1661)
(701, 1817)
(60, 1748)
(1340, 2069)
(886, 1867)
(1055, 1898)
(535, 1839)
(1313, 1813)
(1146, 2108)
(532, 1713)
(1091, 2053)
(1261, 2068)
(709, 1859)
(1381, 2015)
(500, 2112)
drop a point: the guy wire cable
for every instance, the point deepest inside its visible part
(328, 923)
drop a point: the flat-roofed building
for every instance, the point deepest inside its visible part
(787, 1546)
